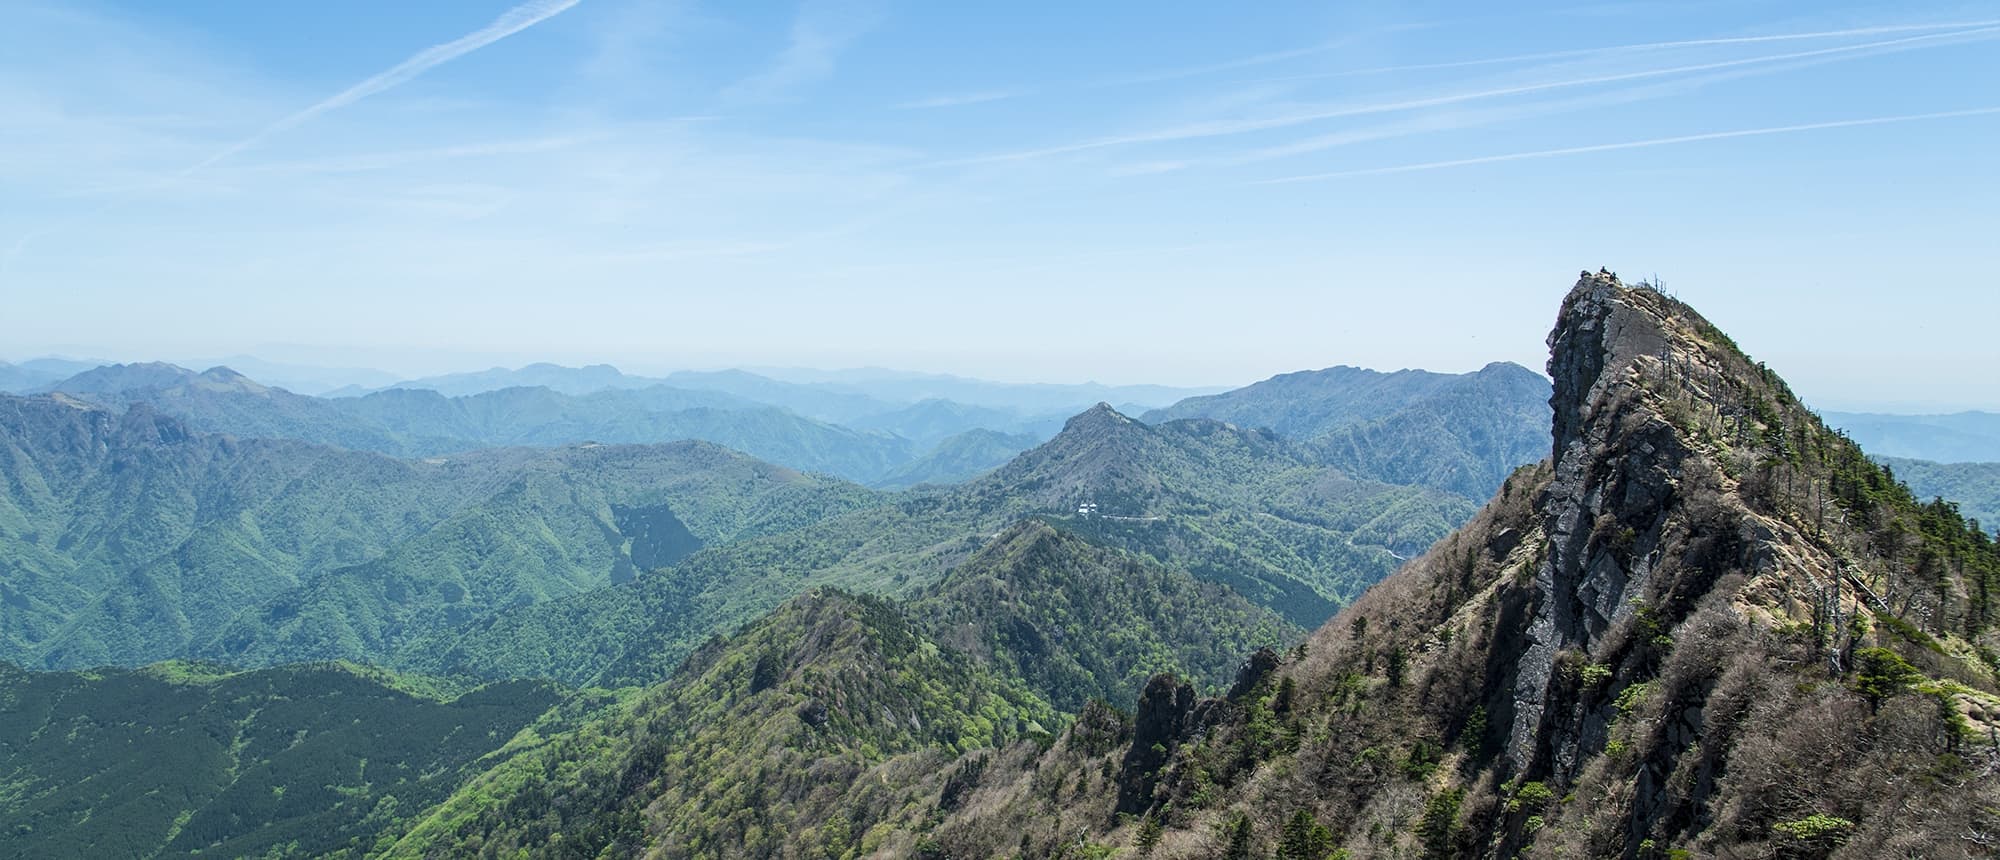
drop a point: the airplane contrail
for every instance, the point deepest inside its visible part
(512, 21)
(1630, 144)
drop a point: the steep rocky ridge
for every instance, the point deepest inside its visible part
(1707, 626)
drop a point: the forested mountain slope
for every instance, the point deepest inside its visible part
(959, 458)
(776, 740)
(1238, 508)
(181, 759)
(1466, 437)
(743, 752)
(1974, 487)
(128, 538)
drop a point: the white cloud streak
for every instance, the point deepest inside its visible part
(1648, 46)
(1221, 128)
(1631, 144)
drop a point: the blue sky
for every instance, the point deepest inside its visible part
(1167, 192)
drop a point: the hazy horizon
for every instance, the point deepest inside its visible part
(391, 376)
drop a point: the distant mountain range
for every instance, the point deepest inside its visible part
(1238, 508)
(827, 395)
(39, 373)
(1455, 432)
(425, 423)
(129, 537)
(1974, 487)
(1459, 432)
(1463, 432)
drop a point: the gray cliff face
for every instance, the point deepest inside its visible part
(1616, 466)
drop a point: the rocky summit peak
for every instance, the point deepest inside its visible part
(1599, 327)
(1677, 462)
(1099, 417)
(223, 373)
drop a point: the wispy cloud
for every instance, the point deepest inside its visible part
(1226, 127)
(1262, 59)
(819, 33)
(403, 158)
(1463, 117)
(1647, 46)
(958, 100)
(1631, 144)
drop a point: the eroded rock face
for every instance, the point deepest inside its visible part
(1616, 468)
(1165, 709)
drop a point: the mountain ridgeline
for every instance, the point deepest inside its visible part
(412, 422)
(1461, 433)
(1458, 433)
(1235, 508)
(129, 538)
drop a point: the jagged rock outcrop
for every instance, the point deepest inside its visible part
(1253, 672)
(1165, 709)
